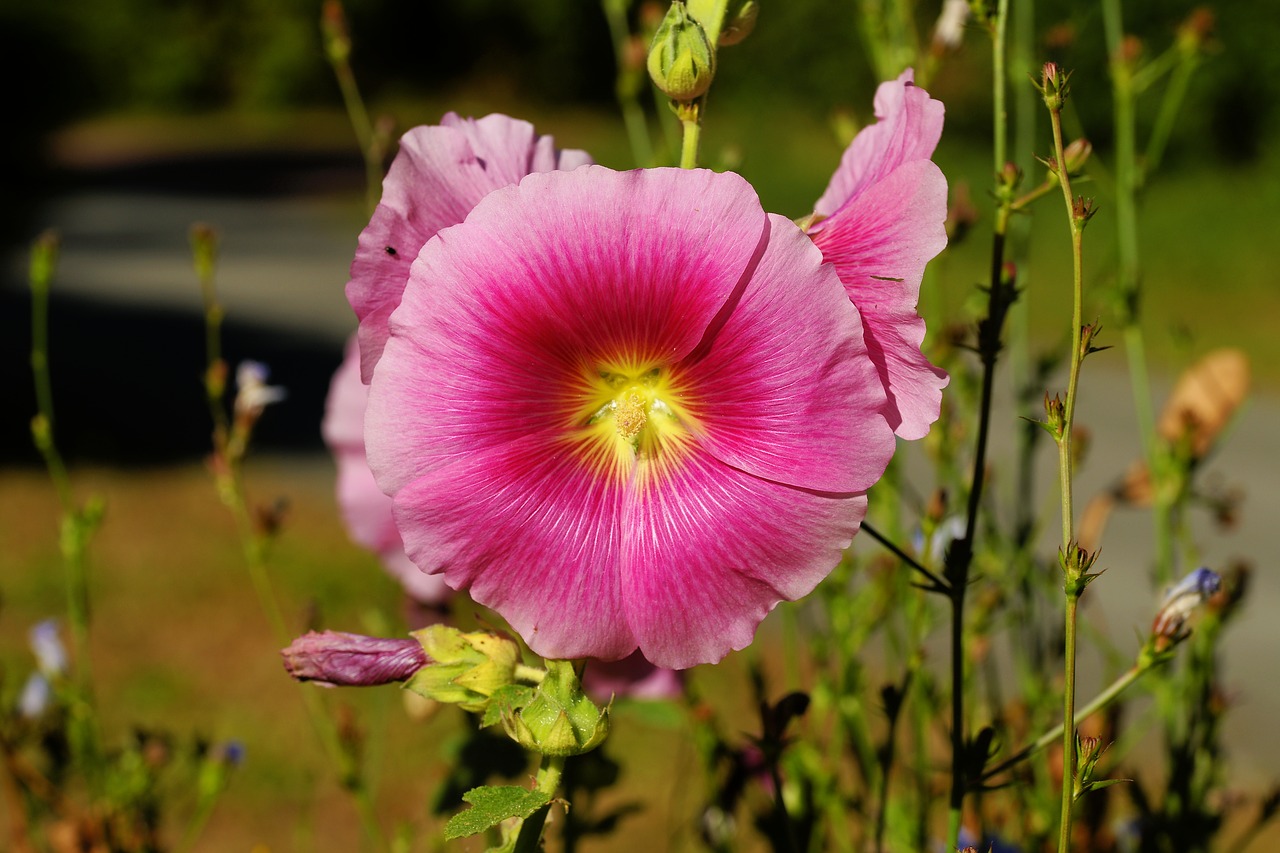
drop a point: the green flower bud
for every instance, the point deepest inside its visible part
(560, 720)
(681, 61)
(463, 669)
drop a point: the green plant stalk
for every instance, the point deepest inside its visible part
(1074, 581)
(229, 448)
(989, 351)
(76, 524)
(530, 838)
(691, 127)
(615, 12)
(366, 138)
(1102, 700)
(1170, 106)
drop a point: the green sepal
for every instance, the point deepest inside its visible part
(560, 720)
(505, 701)
(464, 669)
(492, 805)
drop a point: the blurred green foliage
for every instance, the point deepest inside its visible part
(189, 55)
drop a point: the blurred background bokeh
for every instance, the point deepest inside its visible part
(132, 119)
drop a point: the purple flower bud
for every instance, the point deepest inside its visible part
(337, 659)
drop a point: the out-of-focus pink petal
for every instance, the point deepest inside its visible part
(908, 127)
(710, 550)
(784, 389)
(502, 312)
(535, 536)
(879, 244)
(438, 176)
(366, 511)
(633, 677)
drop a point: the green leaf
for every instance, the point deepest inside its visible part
(491, 805)
(504, 700)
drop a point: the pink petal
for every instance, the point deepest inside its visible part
(785, 388)
(879, 244)
(908, 128)
(501, 311)
(438, 176)
(710, 550)
(474, 426)
(535, 536)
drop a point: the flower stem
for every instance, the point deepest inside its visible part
(530, 837)
(1102, 700)
(77, 523)
(1000, 296)
(229, 446)
(1074, 570)
(691, 125)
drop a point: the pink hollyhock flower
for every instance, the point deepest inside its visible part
(436, 178)
(880, 221)
(365, 509)
(627, 410)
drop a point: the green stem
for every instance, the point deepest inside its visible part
(691, 125)
(548, 781)
(230, 444)
(628, 86)
(960, 556)
(77, 525)
(1074, 572)
(1102, 700)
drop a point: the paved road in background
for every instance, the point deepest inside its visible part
(284, 262)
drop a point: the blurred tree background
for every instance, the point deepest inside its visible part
(70, 59)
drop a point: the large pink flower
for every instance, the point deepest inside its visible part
(627, 410)
(880, 221)
(365, 509)
(439, 174)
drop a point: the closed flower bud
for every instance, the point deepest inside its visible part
(337, 659)
(1076, 155)
(681, 61)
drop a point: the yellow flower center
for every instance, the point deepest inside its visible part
(629, 414)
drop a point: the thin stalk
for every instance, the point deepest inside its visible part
(1075, 571)
(1102, 700)
(530, 837)
(629, 84)
(230, 444)
(77, 524)
(333, 25)
(960, 556)
(691, 125)
(936, 582)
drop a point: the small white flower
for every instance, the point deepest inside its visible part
(46, 645)
(35, 697)
(253, 394)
